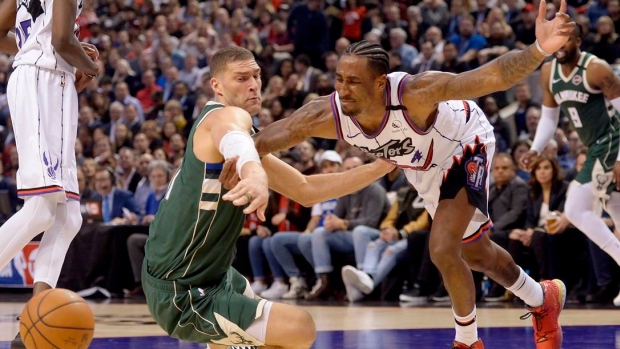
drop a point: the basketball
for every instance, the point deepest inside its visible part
(57, 318)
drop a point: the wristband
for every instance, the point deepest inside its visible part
(542, 52)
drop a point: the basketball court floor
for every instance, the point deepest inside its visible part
(342, 326)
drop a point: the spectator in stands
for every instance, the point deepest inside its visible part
(557, 247)
(114, 200)
(427, 60)
(307, 73)
(468, 42)
(406, 216)
(127, 175)
(451, 63)
(143, 189)
(408, 53)
(121, 93)
(145, 95)
(366, 207)
(435, 13)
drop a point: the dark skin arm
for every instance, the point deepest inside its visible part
(8, 11)
(602, 77)
(314, 119)
(64, 40)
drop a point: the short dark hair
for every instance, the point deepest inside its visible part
(378, 60)
(227, 55)
(304, 59)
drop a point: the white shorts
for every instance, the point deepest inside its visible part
(44, 112)
(464, 149)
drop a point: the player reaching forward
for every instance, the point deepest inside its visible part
(43, 102)
(445, 144)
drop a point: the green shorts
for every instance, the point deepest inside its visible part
(600, 159)
(217, 313)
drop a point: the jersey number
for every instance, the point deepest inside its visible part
(23, 32)
(574, 115)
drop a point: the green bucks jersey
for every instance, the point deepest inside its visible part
(192, 239)
(592, 116)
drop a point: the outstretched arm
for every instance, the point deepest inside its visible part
(310, 190)
(8, 11)
(497, 75)
(314, 119)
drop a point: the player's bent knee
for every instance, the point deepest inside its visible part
(74, 222)
(290, 327)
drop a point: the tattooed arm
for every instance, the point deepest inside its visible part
(314, 119)
(602, 77)
(500, 74)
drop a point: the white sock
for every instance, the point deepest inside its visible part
(528, 290)
(466, 328)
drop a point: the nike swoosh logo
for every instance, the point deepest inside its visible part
(555, 81)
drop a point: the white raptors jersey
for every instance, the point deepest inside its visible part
(33, 33)
(460, 133)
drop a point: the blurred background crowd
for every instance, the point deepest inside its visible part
(154, 80)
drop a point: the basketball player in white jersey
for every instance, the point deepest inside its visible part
(43, 102)
(445, 145)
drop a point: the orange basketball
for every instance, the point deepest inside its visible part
(57, 319)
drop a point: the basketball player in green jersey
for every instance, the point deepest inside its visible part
(586, 89)
(191, 289)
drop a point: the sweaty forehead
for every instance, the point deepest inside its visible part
(350, 66)
(243, 67)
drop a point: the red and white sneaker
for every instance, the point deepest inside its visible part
(477, 345)
(547, 329)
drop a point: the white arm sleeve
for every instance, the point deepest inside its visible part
(546, 128)
(616, 103)
(237, 143)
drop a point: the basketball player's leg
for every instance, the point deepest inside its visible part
(60, 139)
(450, 222)
(40, 192)
(279, 325)
(580, 211)
(55, 244)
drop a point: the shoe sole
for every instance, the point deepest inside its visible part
(562, 289)
(350, 274)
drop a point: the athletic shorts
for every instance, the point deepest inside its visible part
(44, 112)
(599, 164)
(218, 312)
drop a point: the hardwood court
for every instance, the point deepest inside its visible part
(121, 325)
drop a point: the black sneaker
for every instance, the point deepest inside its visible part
(17, 343)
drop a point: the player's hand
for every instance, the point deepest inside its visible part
(527, 160)
(617, 174)
(229, 177)
(81, 80)
(252, 191)
(91, 51)
(553, 34)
